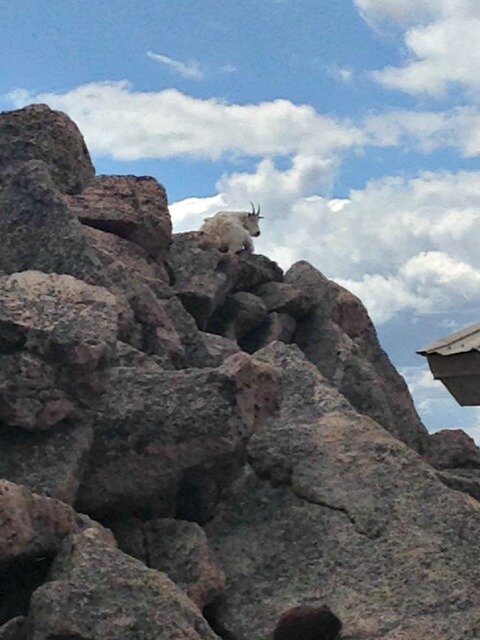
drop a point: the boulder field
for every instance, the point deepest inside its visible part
(198, 446)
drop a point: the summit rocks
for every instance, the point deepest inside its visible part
(237, 431)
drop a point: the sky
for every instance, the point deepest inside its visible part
(355, 124)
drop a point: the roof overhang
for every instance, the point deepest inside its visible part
(455, 361)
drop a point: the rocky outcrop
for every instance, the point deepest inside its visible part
(453, 448)
(97, 592)
(129, 207)
(151, 386)
(457, 458)
(179, 549)
(238, 315)
(30, 525)
(38, 133)
(335, 511)
(340, 339)
(50, 464)
(171, 441)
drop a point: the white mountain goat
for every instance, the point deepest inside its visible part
(232, 231)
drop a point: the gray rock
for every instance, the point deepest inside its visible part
(452, 448)
(219, 347)
(238, 315)
(285, 298)
(14, 629)
(466, 480)
(337, 512)
(171, 441)
(30, 397)
(61, 319)
(340, 339)
(179, 549)
(49, 464)
(38, 133)
(276, 327)
(98, 592)
(134, 208)
(203, 276)
(253, 270)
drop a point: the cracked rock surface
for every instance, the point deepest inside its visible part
(328, 507)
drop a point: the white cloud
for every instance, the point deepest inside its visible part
(129, 125)
(191, 70)
(441, 37)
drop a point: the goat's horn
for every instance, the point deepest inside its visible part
(253, 208)
(258, 211)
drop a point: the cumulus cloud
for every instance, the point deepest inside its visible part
(129, 125)
(191, 70)
(438, 33)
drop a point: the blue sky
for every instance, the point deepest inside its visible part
(355, 123)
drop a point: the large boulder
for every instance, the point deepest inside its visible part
(335, 511)
(218, 347)
(14, 629)
(63, 320)
(338, 336)
(39, 232)
(30, 525)
(238, 315)
(30, 397)
(202, 275)
(276, 327)
(285, 298)
(179, 549)
(453, 448)
(171, 441)
(50, 463)
(38, 133)
(96, 592)
(134, 208)
(253, 270)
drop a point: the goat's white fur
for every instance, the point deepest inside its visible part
(231, 231)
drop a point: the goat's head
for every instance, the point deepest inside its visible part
(251, 221)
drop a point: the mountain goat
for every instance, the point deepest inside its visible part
(232, 231)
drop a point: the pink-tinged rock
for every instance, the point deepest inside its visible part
(30, 525)
(340, 339)
(219, 348)
(60, 318)
(258, 387)
(133, 208)
(97, 592)
(37, 132)
(171, 441)
(335, 511)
